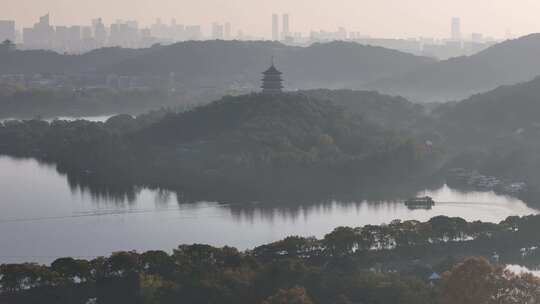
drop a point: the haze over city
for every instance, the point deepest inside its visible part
(382, 18)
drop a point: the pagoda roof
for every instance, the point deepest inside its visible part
(272, 71)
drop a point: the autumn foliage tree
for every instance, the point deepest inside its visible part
(296, 295)
(476, 281)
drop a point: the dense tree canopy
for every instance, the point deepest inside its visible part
(256, 143)
(372, 264)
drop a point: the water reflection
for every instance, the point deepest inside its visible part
(47, 214)
(103, 194)
(471, 206)
(521, 269)
(100, 118)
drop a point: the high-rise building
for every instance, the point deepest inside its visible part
(456, 29)
(74, 39)
(228, 30)
(477, 37)
(180, 33)
(40, 36)
(217, 31)
(45, 20)
(124, 34)
(133, 24)
(175, 31)
(193, 32)
(275, 27)
(67, 39)
(87, 39)
(7, 30)
(286, 30)
(100, 32)
(158, 29)
(86, 33)
(61, 38)
(341, 34)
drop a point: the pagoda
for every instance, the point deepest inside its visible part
(272, 81)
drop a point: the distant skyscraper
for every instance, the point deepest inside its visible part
(275, 27)
(341, 34)
(87, 39)
(61, 38)
(86, 33)
(124, 34)
(286, 31)
(217, 31)
(228, 30)
(100, 32)
(456, 29)
(7, 30)
(41, 35)
(477, 37)
(508, 34)
(193, 32)
(74, 39)
(134, 24)
(159, 29)
(45, 20)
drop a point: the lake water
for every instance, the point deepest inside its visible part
(521, 269)
(101, 118)
(42, 217)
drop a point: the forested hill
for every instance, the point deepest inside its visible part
(265, 142)
(390, 112)
(292, 121)
(15, 102)
(320, 65)
(507, 63)
(253, 144)
(383, 111)
(500, 112)
(216, 63)
(48, 62)
(498, 132)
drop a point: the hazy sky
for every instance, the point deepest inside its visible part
(385, 18)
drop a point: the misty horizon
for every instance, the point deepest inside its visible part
(384, 19)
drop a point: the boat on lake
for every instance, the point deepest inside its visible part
(425, 202)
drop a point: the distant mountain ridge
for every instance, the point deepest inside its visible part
(507, 63)
(219, 63)
(48, 62)
(503, 110)
(335, 65)
(496, 133)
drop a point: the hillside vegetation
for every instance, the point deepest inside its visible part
(384, 264)
(497, 132)
(255, 142)
(507, 63)
(218, 64)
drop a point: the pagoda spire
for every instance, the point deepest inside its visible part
(272, 83)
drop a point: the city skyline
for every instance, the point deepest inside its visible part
(280, 31)
(77, 39)
(420, 18)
